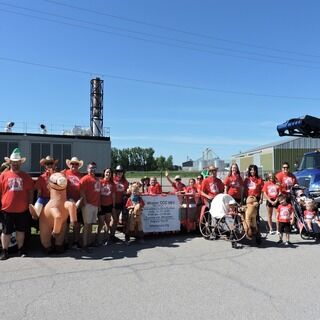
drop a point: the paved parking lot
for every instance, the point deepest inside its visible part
(179, 276)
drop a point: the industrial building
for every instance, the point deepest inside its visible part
(91, 144)
(269, 157)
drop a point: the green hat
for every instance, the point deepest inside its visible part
(15, 156)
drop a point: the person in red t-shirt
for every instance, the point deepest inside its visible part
(234, 184)
(286, 178)
(211, 186)
(16, 193)
(178, 186)
(271, 192)
(73, 176)
(285, 218)
(90, 192)
(122, 185)
(108, 201)
(41, 185)
(154, 187)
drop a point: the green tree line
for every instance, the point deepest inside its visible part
(140, 159)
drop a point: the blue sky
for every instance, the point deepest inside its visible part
(179, 76)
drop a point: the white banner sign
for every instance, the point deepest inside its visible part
(161, 213)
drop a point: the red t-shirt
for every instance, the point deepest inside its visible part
(286, 180)
(91, 187)
(253, 186)
(271, 189)
(178, 186)
(107, 191)
(284, 213)
(154, 189)
(212, 186)
(73, 186)
(234, 184)
(309, 214)
(42, 185)
(191, 190)
(14, 190)
(121, 188)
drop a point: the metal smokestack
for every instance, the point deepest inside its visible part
(96, 107)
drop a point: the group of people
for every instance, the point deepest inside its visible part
(96, 200)
(102, 200)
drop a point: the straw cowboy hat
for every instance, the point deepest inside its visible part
(48, 160)
(15, 156)
(74, 160)
(177, 177)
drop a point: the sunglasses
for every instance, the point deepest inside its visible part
(74, 164)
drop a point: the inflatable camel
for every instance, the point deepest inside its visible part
(53, 219)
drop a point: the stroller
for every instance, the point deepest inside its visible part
(298, 201)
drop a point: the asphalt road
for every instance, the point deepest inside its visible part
(168, 277)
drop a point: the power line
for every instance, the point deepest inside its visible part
(180, 30)
(158, 83)
(163, 43)
(149, 34)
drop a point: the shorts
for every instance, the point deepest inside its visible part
(284, 227)
(270, 205)
(89, 213)
(105, 209)
(43, 200)
(15, 222)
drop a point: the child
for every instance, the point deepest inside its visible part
(284, 218)
(309, 214)
(135, 205)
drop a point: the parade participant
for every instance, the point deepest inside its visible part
(108, 201)
(90, 188)
(135, 206)
(286, 179)
(41, 185)
(178, 186)
(310, 214)
(234, 183)
(145, 183)
(73, 176)
(285, 218)
(199, 182)
(271, 191)
(211, 186)
(191, 188)
(122, 185)
(154, 187)
(16, 192)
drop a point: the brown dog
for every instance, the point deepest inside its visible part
(250, 218)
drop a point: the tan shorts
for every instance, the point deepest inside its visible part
(89, 213)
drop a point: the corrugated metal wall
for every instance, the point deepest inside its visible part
(291, 156)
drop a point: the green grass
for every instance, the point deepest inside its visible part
(141, 174)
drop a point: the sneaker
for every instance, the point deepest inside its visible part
(272, 232)
(4, 255)
(280, 241)
(22, 252)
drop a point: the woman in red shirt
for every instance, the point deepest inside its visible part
(233, 183)
(108, 200)
(271, 192)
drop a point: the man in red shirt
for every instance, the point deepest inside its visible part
(73, 176)
(90, 188)
(16, 191)
(211, 186)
